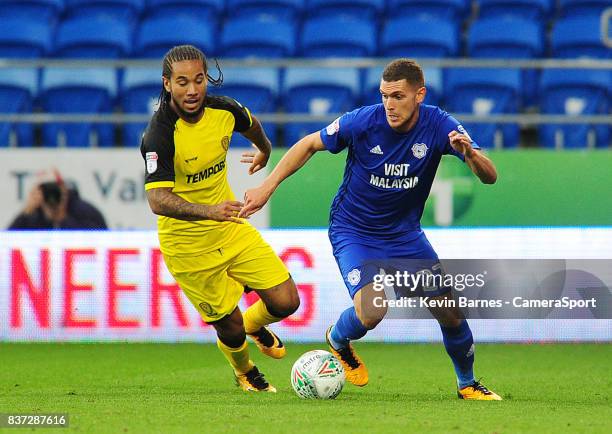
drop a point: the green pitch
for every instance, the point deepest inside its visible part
(133, 388)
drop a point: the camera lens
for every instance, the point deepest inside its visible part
(51, 193)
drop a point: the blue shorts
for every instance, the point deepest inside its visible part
(360, 260)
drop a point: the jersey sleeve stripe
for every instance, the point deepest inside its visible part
(158, 184)
(250, 117)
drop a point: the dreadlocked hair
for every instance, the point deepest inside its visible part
(185, 52)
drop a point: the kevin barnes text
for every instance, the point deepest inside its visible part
(518, 302)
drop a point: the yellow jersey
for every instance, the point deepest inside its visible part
(191, 158)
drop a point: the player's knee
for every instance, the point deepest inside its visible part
(293, 303)
(286, 307)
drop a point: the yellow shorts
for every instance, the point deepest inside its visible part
(215, 281)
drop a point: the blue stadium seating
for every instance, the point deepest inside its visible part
(157, 35)
(419, 37)
(575, 92)
(118, 9)
(437, 9)
(483, 92)
(139, 95)
(531, 9)
(318, 91)
(78, 90)
(498, 37)
(25, 37)
(255, 88)
(47, 10)
(433, 83)
(246, 37)
(578, 37)
(573, 8)
(362, 9)
(206, 10)
(281, 10)
(93, 37)
(337, 37)
(18, 88)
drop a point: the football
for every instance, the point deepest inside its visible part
(317, 375)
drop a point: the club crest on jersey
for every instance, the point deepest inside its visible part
(333, 128)
(225, 143)
(354, 276)
(151, 158)
(419, 150)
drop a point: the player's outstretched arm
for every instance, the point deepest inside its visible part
(477, 161)
(164, 202)
(292, 161)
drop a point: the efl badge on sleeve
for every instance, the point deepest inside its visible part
(462, 130)
(151, 158)
(333, 128)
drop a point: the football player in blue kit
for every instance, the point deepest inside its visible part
(394, 150)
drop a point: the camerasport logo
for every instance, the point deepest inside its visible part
(151, 158)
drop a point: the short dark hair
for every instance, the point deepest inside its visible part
(404, 69)
(185, 52)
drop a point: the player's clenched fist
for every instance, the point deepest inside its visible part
(225, 211)
(460, 143)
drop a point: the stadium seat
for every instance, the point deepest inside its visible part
(433, 83)
(578, 37)
(246, 37)
(47, 10)
(337, 37)
(438, 9)
(485, 92)
(362, 9)
(419, 37)
(140, 92)
(157, 35)
(255, 88)
(206, 10)
(118, 9)
(531, 9)
(574, 8)
(93, 37)
(18, 88)
(497, 37)
(281, 10)
(25, 37)
(318, 91)
(575, 92)
(78, 90)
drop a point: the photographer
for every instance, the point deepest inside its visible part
(52, 205)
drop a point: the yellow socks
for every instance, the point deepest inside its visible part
(237, 357)
(257, 316)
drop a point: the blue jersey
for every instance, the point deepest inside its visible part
(388, 175)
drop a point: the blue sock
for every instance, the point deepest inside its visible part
(459, 345)
(347, 328)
